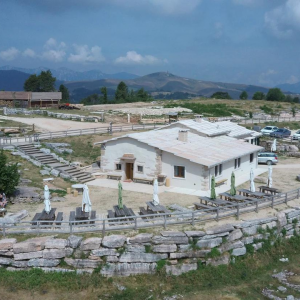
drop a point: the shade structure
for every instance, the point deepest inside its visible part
(252, 185)
(120, 198)
(273, 147)
(86, 201)
(232, 186)
(155, 192)
(213, 188)
(47, 199)
(270, 170)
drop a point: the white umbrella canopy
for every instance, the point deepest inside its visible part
(252, 185)
(47, 199)
(155, 192)
(86, 201)
(273, 147)
(270, 169)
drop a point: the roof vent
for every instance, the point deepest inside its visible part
(183, 135)
(198, 118)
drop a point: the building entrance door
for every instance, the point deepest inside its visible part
(129, 171)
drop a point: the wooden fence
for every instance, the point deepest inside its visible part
(104, 224)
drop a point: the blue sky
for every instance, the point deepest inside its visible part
(240, 41)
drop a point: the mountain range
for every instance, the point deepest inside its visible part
(291, 87)
(65, 74)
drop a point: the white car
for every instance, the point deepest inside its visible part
(296, 135)
(268, 129)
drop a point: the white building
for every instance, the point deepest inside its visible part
(184, 156)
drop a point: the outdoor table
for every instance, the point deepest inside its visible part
(213, 202)
(266, 189)
(253, 194)
(81, 215)
(156, 208)
(225, 195)
(47, 217)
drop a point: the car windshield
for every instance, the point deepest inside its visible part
(268, 128)
(298, 132)
(280, 130)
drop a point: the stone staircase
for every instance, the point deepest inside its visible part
(48, 160)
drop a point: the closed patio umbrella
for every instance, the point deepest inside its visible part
(270, 169)
(273, 147)
(232, 187)
(213, 188)
(252, 185)
(155, 192)
(86, 201)
(47, 199)
(120, 199)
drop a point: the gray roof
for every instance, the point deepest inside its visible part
(201, 150)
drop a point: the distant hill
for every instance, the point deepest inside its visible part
(65, 74)
(166, 82)
(294, 87)
(12, 80)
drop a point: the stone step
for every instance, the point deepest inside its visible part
(46, 162)
(73, 171)
(74, 174)
(56, 165)
(41, 154)
(33, 152)
(87, 179)
(83, 175)
(68, 168)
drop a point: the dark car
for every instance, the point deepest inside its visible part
(280, 133)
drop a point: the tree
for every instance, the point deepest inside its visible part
(121, 92)
(64, 93)
(44, 82)
(275, 94)
(104, 92)
(221, 95)
(296, 100)
(91, 100)
(244, 95)
(9, 175)
(258, 96)
(293, 111)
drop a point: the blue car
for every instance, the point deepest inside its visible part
(280, 133)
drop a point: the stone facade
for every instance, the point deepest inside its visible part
(119, 255)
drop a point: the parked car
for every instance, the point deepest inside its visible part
(269, 158)
(280, 133)
(296, 135)
(268, 129)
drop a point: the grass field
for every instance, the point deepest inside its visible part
(243, 279)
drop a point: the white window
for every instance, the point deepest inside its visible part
(140, 169)
(179, 171)
(118, 167)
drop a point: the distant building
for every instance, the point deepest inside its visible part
(29, 99)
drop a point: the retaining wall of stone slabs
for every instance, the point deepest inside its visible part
(120, 255)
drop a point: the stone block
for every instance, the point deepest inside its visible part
(195, 233)
(231, 245)
(41, 262)
(170, 240)
(164, 248)
(172, 233)
(56, 244)
(74, 241)
(28, 255)
(250, 230)
(82, 263)
(65, 176)
(222, 260)
(248, 240)
(6, 253)
(54, 253)
(239, 251)
(114, 241)
(257, 246)
(190, 254)
(141, 238)
(124, 269)
(7, 244)
(141, 257)
(135, 248)
(90, 244)
(104, 252)
(293, 214)
(55, 173)
(112, 259)
(5, 261)
(220, 229)
(235, 235)
(31, 245)
(56, 270)
(213, 236)
(20, 264)
(180, 269)
(209, 243)
(44, 172)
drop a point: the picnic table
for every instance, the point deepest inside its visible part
(266, 189)
(248, 193)
(123, 212)
(213, 202)
(157, 208)
(225, 195)
(43, 216)
(81, 215)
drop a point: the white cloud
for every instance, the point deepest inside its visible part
(284, 20)
(267, 78)
(293, 79)
(29, 53)
(132, 57)
(54, 51)
(9, 54)
(83, 54)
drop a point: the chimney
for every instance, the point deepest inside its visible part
(198, 118)
(183, 135)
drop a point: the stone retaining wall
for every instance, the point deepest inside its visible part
(119, 255)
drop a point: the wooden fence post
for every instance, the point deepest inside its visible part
(272, 205)
(286, 198)
(238, 211)
(256, 208)
(103, 229)
(298, 193)
(70, 224)
(165, 221)
(3, 229)
(193, 219)
(135, 223)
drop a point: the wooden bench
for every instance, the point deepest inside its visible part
(114, 176)
(144, 211)
(199, 206)
(143, 180)
(221, 182)
(35, 218)
(59, 218)
(93, 216)
(72, 217)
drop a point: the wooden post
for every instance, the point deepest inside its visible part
(286, 198)
(3, 229)
(135, 223)
(103, 229)
(165, 221)
(70, 224)
(298, 193)
(256, 209)
(272, 205)
(238, 211)
(193, 219)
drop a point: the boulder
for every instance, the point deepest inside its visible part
(74, 241)
(209, 243)
(28, 255)
(83, 263)
(7, 244)
(231, 245)
(250, 230)
(54, 253)
(180, 269)
(135, 248)
(90, 244)
(239, 251)
(248, 240)
(5, 261)
(235, 235)
(56, 244)
(141, 257)
(220, 229)
(114, 241)
(31, 245)
(20, 264)
(281, 217)
(12, 218)
(164, 248)
(222, 260)
(141, 238)
(41, 262)
(170, 240)
(104, 252)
